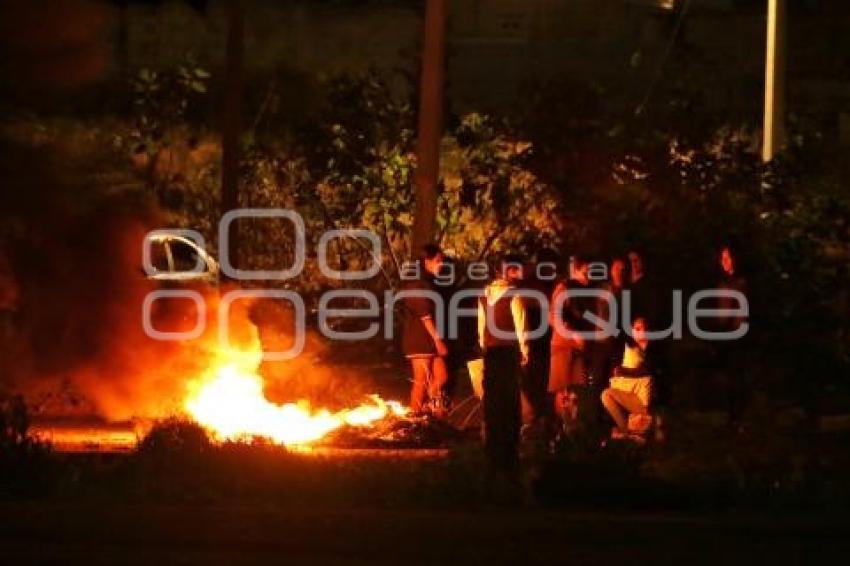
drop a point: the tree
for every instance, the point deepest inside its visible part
(231, 121)
(430, 123)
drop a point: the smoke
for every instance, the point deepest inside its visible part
(73, 259)
(53, 43)
(74, 327)
(312, 375)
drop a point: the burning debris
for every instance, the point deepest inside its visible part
(229, 396)
(228, 400)
(407, 432)
(75, 346)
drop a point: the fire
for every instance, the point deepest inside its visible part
(228, 400)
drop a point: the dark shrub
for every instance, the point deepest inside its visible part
(27, 466)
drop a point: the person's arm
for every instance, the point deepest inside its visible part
(555, 317)
(570, 321)
(518, 312)
(428, 323)
(422, 307)
(560, 334)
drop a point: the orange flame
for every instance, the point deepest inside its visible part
(228, 400)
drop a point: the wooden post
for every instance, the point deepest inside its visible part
(430, 130)
(231, 120)
(774, 82)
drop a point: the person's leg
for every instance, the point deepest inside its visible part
(490, 404)
(534, 378)
(421, 368)
(588, 412)
(598, 381)
(561, 406)
(544, 362)
(502, 408)
(636, 405)
(615, 401)
(609, 401)
(631, 402)
(559, 360)
(527, 409)
(578, 367)
(579, 409)
(439, 376)
(596, 354)
(476, 376)
(512, 411)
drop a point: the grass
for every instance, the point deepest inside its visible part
(699, 498)
(696, 469)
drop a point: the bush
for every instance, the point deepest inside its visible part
(175, 438)
(27, 466)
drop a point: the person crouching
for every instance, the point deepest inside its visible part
(502, 337)
(630, 387)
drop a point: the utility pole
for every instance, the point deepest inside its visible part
(774, 80)
(430, 130)
(231, 126)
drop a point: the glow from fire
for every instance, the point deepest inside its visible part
(228, 400)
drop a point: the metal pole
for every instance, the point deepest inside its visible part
(774, 82)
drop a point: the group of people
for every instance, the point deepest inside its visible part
(536, 353)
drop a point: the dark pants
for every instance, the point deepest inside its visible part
(534, 379)
(502, 407)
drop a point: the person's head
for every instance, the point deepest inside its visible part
(727, 260)
(511, 267)
(639, 330)
(618, 272)
(432, 259)
(635, 265)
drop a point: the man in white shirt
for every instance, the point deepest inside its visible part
(502, 335)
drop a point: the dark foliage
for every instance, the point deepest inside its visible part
(26, 464)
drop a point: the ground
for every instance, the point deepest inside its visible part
(252, 505)
(105, 533)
